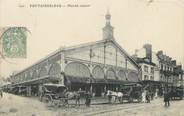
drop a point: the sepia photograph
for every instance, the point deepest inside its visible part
(91, 57)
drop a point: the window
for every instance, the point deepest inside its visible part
(145, 77)
(152, 70)
(171, 79)
(145, 68)
(151, 78)
(162, 78)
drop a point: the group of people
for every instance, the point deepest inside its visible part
(148, 96)
(87, 95)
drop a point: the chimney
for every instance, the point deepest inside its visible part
(160, 52)
(148, 48)
(174, 62)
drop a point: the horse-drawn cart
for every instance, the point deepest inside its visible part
(54, 94)
(128, 92)
(131, 92)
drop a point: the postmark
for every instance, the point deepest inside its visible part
(14, 42)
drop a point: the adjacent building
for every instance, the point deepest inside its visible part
(149, 67)
(158, 70)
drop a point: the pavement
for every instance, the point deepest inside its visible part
(13, 105)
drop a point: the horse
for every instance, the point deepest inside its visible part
(112, 95)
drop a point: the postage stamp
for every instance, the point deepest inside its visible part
(14, 42)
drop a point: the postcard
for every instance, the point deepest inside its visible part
(91, 57)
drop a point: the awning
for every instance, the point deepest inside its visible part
(99, 80)
(43, 79)
(73, 79)
(86, 80)
(56, 85)
(133, 79)
(113, 81)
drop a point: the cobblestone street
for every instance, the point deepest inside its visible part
(12, 105)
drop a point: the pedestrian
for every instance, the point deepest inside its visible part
(78, 97)
(152, 95)
(156, 93)
(167, 99)
(88, 99)
(1, 92)
(41, 92)
(143, 96)
(147, 97)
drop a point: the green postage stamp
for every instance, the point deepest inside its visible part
(14, 42)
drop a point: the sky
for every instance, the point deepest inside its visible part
(160, 23)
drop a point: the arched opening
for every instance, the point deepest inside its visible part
(111, 74)
(43, 72)
(122, 75)
(77, 76)
(55, 70)
(28, 76)
(98, 73)
(77, 69)
(23, 77)
(34, 75)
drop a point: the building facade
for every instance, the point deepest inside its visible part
(178, 71)
(158, 71)
(149, 69)
(144, 59)
(95, 66)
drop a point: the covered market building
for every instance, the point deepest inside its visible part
(95, 66)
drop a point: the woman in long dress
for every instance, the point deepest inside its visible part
(144, 96)
(156, 93)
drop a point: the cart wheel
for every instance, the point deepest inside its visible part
(49, 100)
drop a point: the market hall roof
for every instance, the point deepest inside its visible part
(67, 49)
(107, 38)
